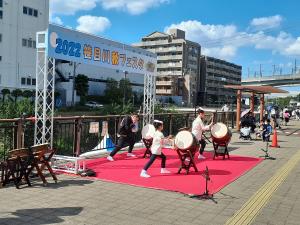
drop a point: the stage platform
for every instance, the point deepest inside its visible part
(126, 170)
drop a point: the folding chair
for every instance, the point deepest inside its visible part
(42, 155)
(16, 166)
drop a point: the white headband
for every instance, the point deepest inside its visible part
(158, 121)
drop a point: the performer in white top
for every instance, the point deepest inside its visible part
(157, 143)
(198, 128)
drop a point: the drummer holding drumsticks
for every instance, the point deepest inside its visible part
(157, 144)
(198, 128)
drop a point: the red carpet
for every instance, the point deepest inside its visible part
(127, 171)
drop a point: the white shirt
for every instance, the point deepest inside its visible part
(198, 128)
(157, 143)
(273, 111)
(225, 108)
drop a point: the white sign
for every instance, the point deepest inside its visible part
(84, 48)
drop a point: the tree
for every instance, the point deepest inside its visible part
(4, 92)
(27, 93)
(82, 87)
(125, 89)
(16, 93)
(112, 91)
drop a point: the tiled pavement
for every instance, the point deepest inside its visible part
(76, 200)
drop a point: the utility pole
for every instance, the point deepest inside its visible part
(124, 89)
(295, 68)
(274, 69)
(248, 72)
(280, 70)
(260, 73)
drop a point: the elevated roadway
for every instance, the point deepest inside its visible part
(274, 80)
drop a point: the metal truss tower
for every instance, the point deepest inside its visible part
(44, 96)
(149, 98)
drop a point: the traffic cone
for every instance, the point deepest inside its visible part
(274, 140)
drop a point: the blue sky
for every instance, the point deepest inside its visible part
(248, 33)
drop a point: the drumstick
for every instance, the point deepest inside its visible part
(206, 138)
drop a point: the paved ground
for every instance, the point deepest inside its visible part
(76, 200)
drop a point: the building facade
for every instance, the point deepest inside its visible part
(19, 22)
(217, 73)
(178, 66)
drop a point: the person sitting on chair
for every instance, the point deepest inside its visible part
(198, 128)
(126, 131)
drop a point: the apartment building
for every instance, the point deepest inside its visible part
(178, 66)
(217, 73)
(19, 22)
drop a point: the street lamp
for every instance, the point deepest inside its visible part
(124, 88)
(74, 78)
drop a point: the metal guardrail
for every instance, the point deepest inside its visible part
(71, 134)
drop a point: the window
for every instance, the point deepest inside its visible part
(25, 10)
(0, 37)
(28, 81)
(33, 44)
(33, 81)
(24, 42)
(35, 13)
(1, 14)
(29, 43)
(30, 11)
(0, 58)
(23, 80)
(1, 3)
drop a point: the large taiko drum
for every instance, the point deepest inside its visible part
(148, 131)
(184, 140)
(220, 133)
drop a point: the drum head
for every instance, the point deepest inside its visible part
(148, 131)
(184, 139)
(219, 130)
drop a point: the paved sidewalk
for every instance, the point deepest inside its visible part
(76, 200)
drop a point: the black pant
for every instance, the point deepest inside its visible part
(123, 142)
(152, 159)
(202, 145)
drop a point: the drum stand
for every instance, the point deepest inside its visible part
(266, 151)
(187, 160)
(148, 144)
(216, 147)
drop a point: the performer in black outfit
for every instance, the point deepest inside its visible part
(126, 131)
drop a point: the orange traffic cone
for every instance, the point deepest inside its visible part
(274, 140)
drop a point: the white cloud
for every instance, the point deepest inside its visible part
(56, 20)
(210, 36)
(266, 22)
(294, 48)
(134, 7)
(70, 7)
(224, 41)
(93, 24)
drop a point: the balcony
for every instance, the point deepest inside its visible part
(164, 91)
(165, 83)
(169, 57)
(169, 65)
(169, 49)
(169, 73)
